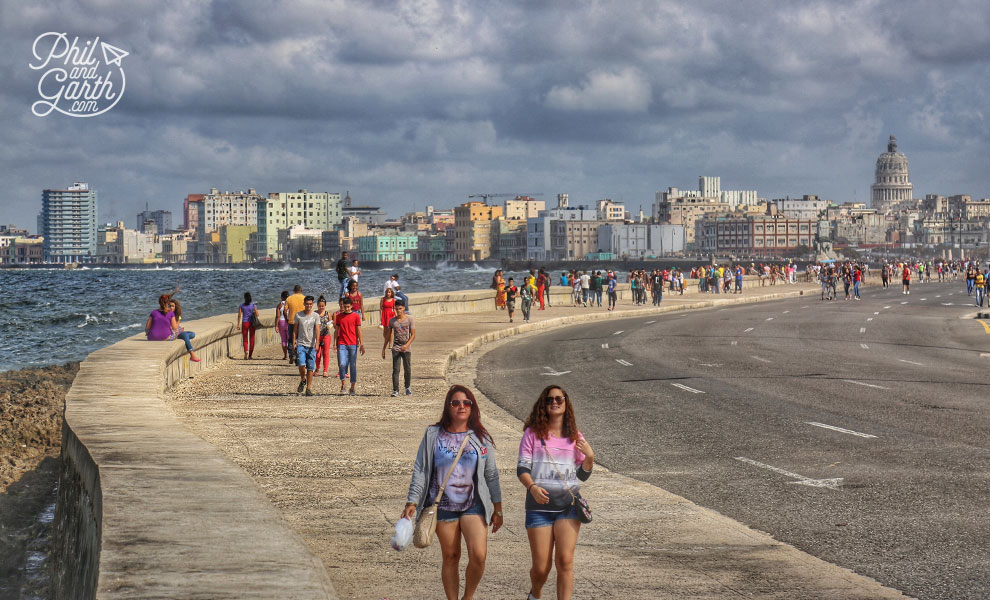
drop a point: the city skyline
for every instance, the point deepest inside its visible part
(408, 105)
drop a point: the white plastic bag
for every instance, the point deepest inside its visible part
(403, 534)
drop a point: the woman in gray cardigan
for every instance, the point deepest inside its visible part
(472, 499)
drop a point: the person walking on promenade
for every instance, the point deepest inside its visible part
(585, 288)
(245, 312)
(178, 331)
(541, 285)
(596, 285)
(857, 278)
(400, 334)
(458, 451)
(355, 271)
(498, 284)
(526, 293)
(739, 279)
(305, 336)
(906, 280)
(347, 339)
(324, 346)
(162, 325)
(357, 300)
(546, 290)
(294, 304)
(554, 458)
(343, 274)
(979, 288)
(656, 287)
(611, 292)
(386, 308)
(511, 292)
(576, 288)
(282, 323)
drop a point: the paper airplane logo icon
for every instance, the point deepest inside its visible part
(113, 51)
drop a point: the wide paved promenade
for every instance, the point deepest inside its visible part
(337, 467)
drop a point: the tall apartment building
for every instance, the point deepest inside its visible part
(610, 211)
(284, 210)
(227, 208)
(710, 187)
(523, 207)
(687, 208)
(547, 241)
(68, 224)
(162, 219)
(472, 230)
(191, 207)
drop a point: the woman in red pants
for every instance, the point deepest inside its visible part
(244, 314)
(324, 346)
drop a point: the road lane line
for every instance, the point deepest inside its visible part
(769, 318)
(905, 302)
(804, 307)
(938, 295)
(801, 479)
(618, 332)
(879, 387)
(605, 346)
(946, 304)
(862, 329)
(840, 429)
(864, 346)
(869, 319)
(686, 388)
(748, 330)
(886, 307)
(761, 359)
(923, 299)
(623, 362)
(648, 322)
(985, 326)
(735, 342)
(911, 362)
(785, 312)
(877, 313)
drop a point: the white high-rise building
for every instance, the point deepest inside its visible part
(710, 187)
(317, 211)
(226, 208)
(68, 224)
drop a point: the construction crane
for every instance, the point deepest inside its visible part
(485, 197)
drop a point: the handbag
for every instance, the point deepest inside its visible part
(584, 510)
(255, 320)
(426, 524)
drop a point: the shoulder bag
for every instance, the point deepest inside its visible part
(426, 524)
(584, 511)
(254, 320)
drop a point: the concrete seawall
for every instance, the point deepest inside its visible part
(148, 509)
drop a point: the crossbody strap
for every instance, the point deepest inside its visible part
(562, 479)
(450, 471)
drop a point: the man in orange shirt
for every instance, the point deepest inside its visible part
(293, 304)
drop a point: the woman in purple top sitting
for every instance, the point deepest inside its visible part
(162, 325)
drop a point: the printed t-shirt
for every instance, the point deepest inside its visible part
(305, 326)
(347, 326)
(459, 493)
(295, 303)
(533, 460)
(401, 330)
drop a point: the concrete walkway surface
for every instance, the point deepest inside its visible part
(338, 469)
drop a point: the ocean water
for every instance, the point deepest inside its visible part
(52, 316)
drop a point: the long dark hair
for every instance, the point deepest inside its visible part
(178, 308)
(474, 419)
(538, 420)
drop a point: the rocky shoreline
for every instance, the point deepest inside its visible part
(31, 405)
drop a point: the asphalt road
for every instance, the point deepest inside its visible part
(855, 430)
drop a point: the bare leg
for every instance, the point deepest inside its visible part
(541, 549)
(449, 534)
(476, 539)
(565, 533)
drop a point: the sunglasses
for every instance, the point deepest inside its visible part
(456, 403)
(551, 400)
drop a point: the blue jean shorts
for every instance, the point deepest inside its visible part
(536, 518)
(449, 516)
(306, 356)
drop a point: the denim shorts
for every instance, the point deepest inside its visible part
(306, 356)
(536, 518)
(449, 516)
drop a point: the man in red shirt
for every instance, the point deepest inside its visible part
(906, 279)
(348, 340)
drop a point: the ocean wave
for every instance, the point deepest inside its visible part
(125, 327)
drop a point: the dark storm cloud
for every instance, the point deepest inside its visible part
(420, 102)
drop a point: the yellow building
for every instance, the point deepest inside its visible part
(472, 230)
(233, 242)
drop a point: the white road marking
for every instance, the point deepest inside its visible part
(623, 362)
(864, 346)
(801, 479)
(804, 307)
(946, 304)
(686, 388)
(911, 362)
(735, 342)
(862, 329)
(554, 372)
(905, 302)
(923, 299)
(710, 364)
(648, 322)
(886, 307)
(786, 311)
(748, 330)
(877, 312)
(840, 429)
(879, 387)
(938, 295)
(869, 319)
(985, 354)
(618, 332)
(605, 346)
(769, 318)
(761, 359)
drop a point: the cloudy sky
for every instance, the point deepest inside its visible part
(420, 102)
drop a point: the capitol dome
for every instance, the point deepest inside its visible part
(892, 183)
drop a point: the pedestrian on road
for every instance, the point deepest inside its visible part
(906, 280)
(527, 300)
(472, 498)
(400, 333)
(347, 340)
(282, 323)
(305, 335)
(324, 347)
(343, 274)
(980, 287)
(511, 292)
(244, 313)
(552, 449)
(294, 304)
(386, 308)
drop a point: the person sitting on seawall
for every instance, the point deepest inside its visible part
(162, 325)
